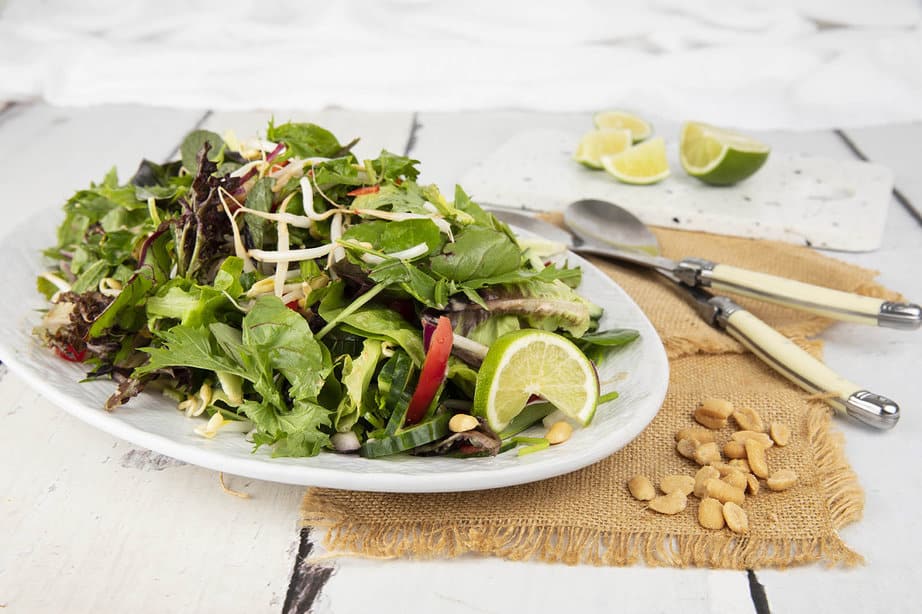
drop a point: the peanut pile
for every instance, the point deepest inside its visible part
(721, 485)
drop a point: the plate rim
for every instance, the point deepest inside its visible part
(262, 468)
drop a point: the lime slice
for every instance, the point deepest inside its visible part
(534, 362)
(640, 129)
(600, 143)
(718, 156)
(641, 164)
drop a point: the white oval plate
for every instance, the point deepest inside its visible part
(639, 372)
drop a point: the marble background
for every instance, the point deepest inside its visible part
(778, 64)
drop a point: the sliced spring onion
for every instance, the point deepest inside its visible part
(610, 396)
(545, 444)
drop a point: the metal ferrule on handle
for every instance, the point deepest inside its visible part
(826, 302)
(791, 361)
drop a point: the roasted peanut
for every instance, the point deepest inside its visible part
(711, 513)
(699, 436)
(755, 454)
(673, 503)
(724, 492)
(762, 438)
(781, 480)
(641, 488)
(736, 479)
(687, 448)
(740, 463)
(707, 453)
(724, 469)
(781, 433)
(713, 413)
(701, 479)
(748, 419)
(736, 518)
(559, 432)
(682, 483)
(462, 422)
(719, 408)
(734, 449)
(753, 483)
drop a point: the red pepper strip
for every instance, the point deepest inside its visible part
(369, 189)
(70, 353)
(293, 305)
(433, 372)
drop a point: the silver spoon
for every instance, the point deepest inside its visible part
(608, 224)
(776, 350)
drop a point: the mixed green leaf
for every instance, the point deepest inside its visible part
(285, 286)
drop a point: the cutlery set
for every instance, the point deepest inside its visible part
(605, 230)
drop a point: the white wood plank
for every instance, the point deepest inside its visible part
(899, 146)
(887, 362)
(495, 586)
(92, 524)
(48, 153)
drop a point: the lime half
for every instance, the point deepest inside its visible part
(535, 362)
(640, 129)
(600, 143)
(718, 156)
(641, 164)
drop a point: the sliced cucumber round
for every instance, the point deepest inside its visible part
(422, 433)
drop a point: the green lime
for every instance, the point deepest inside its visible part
(641, 164)
(718, 156)
(531, 362)
(640, 129)
(598, 143)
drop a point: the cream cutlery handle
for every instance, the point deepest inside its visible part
(791, 361)
(816, 299)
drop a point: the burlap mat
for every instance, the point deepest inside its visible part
(589, 516)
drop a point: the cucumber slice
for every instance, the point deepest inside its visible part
(395, 388)
(422, 433)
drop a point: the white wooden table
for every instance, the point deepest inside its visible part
(92, 524)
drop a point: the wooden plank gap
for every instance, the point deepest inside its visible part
(12, 109)
(198, 124)
(411, 139)
(757, 592)
(899, 196)
(307, 580)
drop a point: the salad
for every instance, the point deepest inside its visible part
(282, 288)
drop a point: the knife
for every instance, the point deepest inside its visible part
(582, 218)
(776, 350)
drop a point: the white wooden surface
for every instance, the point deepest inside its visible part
(90, 524)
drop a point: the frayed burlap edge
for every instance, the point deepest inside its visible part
(843, 498)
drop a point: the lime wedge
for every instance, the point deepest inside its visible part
(641, 164)
(640, 129)
(534, 362)
(600, 143)
(718, 156)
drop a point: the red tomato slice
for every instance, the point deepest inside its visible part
(433, 372)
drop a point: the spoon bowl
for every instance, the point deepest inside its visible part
(610, 224)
